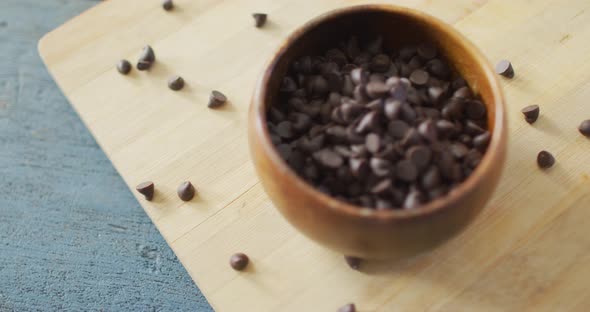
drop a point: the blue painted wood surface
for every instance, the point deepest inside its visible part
(72, 237)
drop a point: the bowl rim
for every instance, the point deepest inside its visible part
(495, 148)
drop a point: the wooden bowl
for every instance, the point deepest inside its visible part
(363, 232)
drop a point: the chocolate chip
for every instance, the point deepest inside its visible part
(504, 68)
(146, 58)
(359, 167)
(328, 158)
(531, 113)
(414, 200)
(475, 109)
(458, 150)
(124, 67)
(373, 142)
(420, 155)
(445, 128)
(167, 5)
(175, 83)
(239, 261)
(427, 129)
(353, 262)
(347, 308)
(398, 129)
(427, 51)
(216, 99)
(259, 19)
(380, 167)
(186, 191)
(431, 178)
(146, 189)
(381, 187)
(376, 89)
(285, 130)
(545, 160)
(412, 137)
(481, 141)
(472, 128)
(406, 171)
(419, 77)
(584, 128)
(380, 63)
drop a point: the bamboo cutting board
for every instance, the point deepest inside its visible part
(529, 250)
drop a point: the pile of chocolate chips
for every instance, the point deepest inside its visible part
(382, 129)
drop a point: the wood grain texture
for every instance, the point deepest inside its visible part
(526, 251)
(72, 238)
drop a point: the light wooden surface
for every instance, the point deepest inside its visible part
(529, 250)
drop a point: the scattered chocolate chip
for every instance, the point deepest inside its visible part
(216, 99)
(175, 83)
(167, 5)
(531, 113)
(504, 68)
(545, 160)
(347, 308)
(124, 67)
(146, 58)
(239, 261)
(259, 19)
(353, 262)
(584, 128)
(146, 189)
(186, 191)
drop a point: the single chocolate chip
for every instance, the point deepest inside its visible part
(167, 5)
(328, 158)
(124, 67)
(439, 69)
(458, 150)
(584, 128)
(431, 178)
(370, 121)
(414, 200)
(427, 51)
(472, 128)
(398, 129)
(353, 262)
(285, 129)
(392, 108)
(288, 85)
(420, 155)
(408, 113)
(406, 171)
(419, 77)
(411, 138)
(373, 142)
(381, 187)
(435, 94)
(285, 151)
(453, 109)
(428, 131)
(545, 160)
(239, 261)
(146, 189)
(445, 128)
(531, 113)
(359, 167)
(504, 68)
(216, 99)
(380, 63)
(186, 191)
(377, 89)
(146, 58)
(475, 109)
(359, 76)
(380, 167)
(175, 83)
(481, 141)
(472, 158)
(259, 19)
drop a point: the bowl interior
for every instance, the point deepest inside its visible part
(398, 26)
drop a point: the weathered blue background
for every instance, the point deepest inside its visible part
(71, 235)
